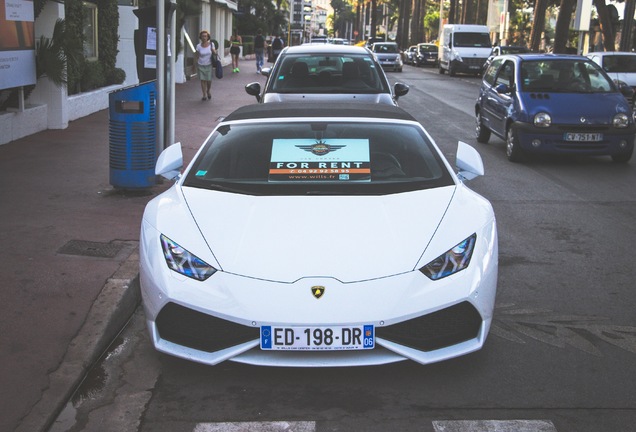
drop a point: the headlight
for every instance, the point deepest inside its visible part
(620, 120)
(182, 261)
(454, 260)
(542, 119)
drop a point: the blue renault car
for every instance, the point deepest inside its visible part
(554, 104)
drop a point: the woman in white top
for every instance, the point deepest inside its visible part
(203, 55)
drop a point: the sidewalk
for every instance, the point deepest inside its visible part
(69, 259)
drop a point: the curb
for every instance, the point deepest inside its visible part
(113, 307)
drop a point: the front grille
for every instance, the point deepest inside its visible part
(440, 329)
(200, 331)
(474, 61)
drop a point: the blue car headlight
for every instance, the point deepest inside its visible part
(454, 260)
(620, 120)
(183, 262)
(542, 119)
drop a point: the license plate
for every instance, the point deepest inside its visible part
(583, 137)
(318, 338)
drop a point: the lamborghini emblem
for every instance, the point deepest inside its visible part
(317, 291)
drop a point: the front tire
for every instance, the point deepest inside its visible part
(441, 70)
(482, 133)
(513, 148)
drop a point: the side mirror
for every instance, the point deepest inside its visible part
(254, 89)
(400, 89)
(503, 89)
(468, 161)
(170, 162)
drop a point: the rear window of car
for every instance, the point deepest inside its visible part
(332, 158)
(328, 73)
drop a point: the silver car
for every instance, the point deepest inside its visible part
(326, 73)
(389, 55)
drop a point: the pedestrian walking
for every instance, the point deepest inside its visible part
(235, 50)
(277, 47)
(259, 50)
(203, 55)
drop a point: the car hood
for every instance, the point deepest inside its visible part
(381, 98)
(286, 238)
(628, 78)
(596, 108)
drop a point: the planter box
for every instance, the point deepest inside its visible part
(18, 124)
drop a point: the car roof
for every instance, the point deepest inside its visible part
(325, 48)
(540, 56)
(611, 53)
(282, 110)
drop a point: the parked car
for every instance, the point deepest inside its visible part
(326, 72)
(388, 55)
(410, 55)
(239, 262)
(620, 66)
(426, 54)
(501, 50)
(550, 103)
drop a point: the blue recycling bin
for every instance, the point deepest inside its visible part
(132, 136)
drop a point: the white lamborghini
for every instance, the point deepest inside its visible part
(319, 235)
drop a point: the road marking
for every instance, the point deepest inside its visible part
(494, 426)
(277, 426)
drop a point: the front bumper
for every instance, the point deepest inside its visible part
(551, 139)
(414, 318)
(471, 65)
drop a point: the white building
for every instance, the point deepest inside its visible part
(50, 107)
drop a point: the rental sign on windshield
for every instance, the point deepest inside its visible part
(320, 160)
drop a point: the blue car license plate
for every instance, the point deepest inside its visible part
(583, 137)
(318, 338)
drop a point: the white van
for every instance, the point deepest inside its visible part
(464, 48)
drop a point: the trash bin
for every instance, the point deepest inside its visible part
(132, 135)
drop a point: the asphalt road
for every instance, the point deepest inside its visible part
(561, 355)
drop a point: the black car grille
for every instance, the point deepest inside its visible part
(203, 332)
(474, 61)
(440, 329)
(200, 331)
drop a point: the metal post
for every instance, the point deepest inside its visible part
(169, 139)
(161, 73)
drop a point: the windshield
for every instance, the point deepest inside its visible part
(328, 73)
(338, 158)
(564, 76)
(472, 40)
(428, 48)
(385, 48)
(620, 63)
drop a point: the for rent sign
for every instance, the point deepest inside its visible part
(17, 44)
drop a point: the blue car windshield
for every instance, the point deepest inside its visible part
(563, 76)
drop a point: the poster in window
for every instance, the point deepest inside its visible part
(17, 43)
